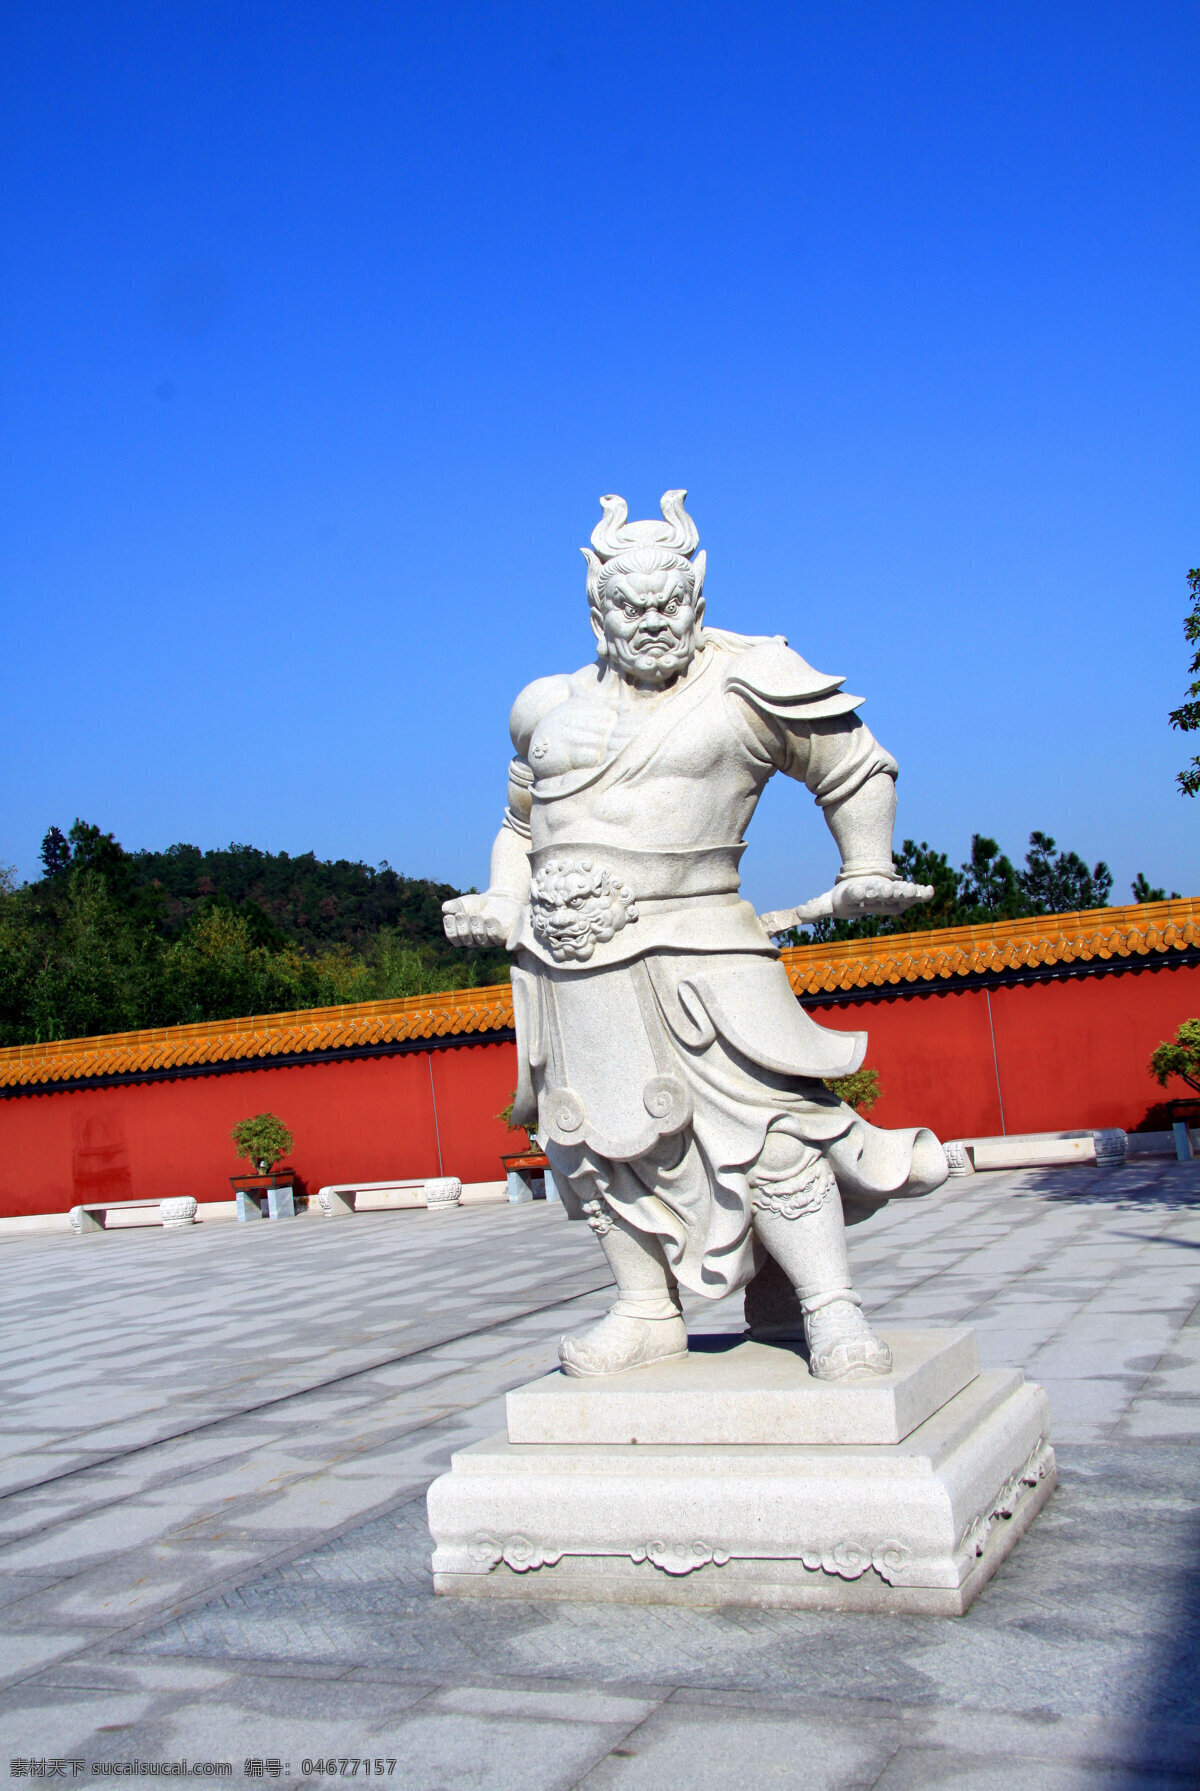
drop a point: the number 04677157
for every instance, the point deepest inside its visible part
(347, 1767)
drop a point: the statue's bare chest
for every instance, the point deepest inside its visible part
(665, 740)
(581, 733)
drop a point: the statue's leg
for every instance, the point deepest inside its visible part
(645, 1325)
(798, 1216)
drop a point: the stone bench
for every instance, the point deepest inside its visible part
(1104, 1148)
(92, 1215)
(339, 1199)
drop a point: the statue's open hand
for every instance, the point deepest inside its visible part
(851, 900)
(480, 919)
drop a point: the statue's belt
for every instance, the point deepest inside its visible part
(582, 895)
(650, 875)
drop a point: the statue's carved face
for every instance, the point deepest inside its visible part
(649, 625)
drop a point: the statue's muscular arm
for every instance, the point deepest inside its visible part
(491, 918)
(810, 732)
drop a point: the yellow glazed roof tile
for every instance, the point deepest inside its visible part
(896, 958)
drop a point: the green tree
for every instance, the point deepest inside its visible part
(859, 1090)
(92, 850)
(987, 888)
(21, 955)
(1062, 884)
(1187, 717)
(1179, 1056)
(922, 864)
(109, 940)
(92, 968)
(215, 971)
(505, 1116)
(56, 852)
(262, 1140)
(991, 889)
(1142, 892)
(396, 968)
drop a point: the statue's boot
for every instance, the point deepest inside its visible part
(810, 1247)
(645, 1325)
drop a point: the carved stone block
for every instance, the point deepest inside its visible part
(748, 1393)
(917, 1526)
(443, 1190)
(177, 1212)
(1111, 1144)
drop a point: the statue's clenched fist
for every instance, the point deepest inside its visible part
(485, 919)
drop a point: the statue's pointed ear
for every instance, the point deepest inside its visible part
(698, 595)
(595, 566)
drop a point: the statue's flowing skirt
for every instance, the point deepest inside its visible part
(656, 1080)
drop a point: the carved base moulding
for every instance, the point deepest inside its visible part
(915, 1527)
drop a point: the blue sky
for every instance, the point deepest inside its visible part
(323, 327)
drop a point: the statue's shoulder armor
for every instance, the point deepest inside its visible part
(778, 681)
(537, 699)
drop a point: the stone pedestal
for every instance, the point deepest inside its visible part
(443, 1191)
(178, 1211)
(735, 1478)
(520, 1187)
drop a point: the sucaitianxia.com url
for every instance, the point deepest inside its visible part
(120, 1769)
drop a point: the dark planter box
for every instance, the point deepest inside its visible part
(258, 1184)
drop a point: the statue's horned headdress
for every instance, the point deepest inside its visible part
(614, 536)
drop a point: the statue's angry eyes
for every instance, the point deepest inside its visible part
(635, 611)
(636, 594)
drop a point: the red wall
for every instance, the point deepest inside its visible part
(1071, 1053)
(369, 1117)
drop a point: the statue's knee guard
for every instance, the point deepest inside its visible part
(791, 1179)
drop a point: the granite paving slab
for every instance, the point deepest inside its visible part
(213, 1540)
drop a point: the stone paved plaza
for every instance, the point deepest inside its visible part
(215, 1446)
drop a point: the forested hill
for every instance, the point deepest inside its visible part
(109, 940)
(309, 900)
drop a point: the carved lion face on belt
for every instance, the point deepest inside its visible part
(576, 904)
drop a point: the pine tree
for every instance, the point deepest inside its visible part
(1187, 717)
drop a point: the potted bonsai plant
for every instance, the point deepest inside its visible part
(1180, 1057)
(860, 1089)
(263, 1140)
(520, 1168)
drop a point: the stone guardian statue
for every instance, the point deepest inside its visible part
(676, 1083)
